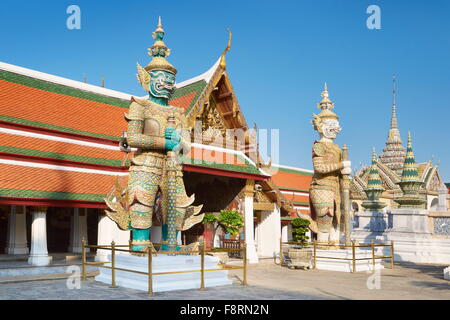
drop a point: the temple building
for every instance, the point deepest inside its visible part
(390, 164)
(60, 156)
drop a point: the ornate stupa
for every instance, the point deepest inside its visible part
(394, 153)
(390, 169)
(374, 187)
(410, 182)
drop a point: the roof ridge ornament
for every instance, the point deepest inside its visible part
(223, 62)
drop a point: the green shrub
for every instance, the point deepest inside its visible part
(229, 220)
(299, 230)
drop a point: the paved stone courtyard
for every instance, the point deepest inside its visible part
(267, 281)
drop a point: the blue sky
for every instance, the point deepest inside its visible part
(282, 53)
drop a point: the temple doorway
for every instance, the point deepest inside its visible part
(92, 227)
(58, 229)
(193, 234)
(4, 216)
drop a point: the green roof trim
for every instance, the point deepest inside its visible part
(197, 86)
(293, 189)
(304, 173)
(249, 168)
(61, 156)
(61, 89)
(57, 128)
(35, 194)
(300, 203)
(285, 218)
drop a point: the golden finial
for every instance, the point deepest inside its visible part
(159, 28)
(326, 102)
(223, 63)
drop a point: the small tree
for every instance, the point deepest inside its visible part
(229, 220)
(299, 230)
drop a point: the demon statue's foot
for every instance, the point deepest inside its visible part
(165, 247)
(139, 248)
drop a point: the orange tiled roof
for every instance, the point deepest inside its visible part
(293, 180)
(41, 182)
(183, 101)
(17, 144)
(20, 101)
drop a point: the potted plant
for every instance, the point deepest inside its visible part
(230, 221)
(299, 255)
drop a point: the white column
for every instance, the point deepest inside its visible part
(108, 232)
(78, 230)
(276, 219)
(17, 231)
(105, 236)
(284, 233)
(39, 254)
(249, 234)
(289, 232)
(442, 204)
(216, 239)
(269, 233)
(179, 240)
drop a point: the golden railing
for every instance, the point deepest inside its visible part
(201, 252)
(353, 245)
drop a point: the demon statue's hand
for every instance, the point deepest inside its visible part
(172, 134)
(347, 167)
(173, 139)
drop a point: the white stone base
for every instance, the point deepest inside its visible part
(17, 250)
(346, 265)
(164, 263)
(40, 260)
(447, 273)
(411, 247)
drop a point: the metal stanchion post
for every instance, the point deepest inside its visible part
(373, 255)
(315, 248)
(392, 254)
(353, 256)
(83, 259)
(245, 264)
(202, 263)
(113, 265)
(150, 271)
(281, 252)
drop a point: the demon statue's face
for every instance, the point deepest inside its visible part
(330, 128)
(162, 84)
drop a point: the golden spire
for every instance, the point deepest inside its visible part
(394, 124)
(223, 63)
(159, 52)
(326, 103)
(159, 28)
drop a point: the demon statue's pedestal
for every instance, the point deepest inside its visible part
(155, 190)
(158, 131)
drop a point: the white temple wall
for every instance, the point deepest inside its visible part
(419, 236)
(269, 233)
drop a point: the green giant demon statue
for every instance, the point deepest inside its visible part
(159, 132)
